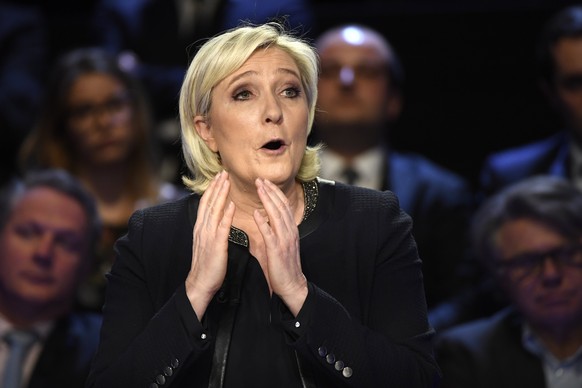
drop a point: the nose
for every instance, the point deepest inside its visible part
(551, 269)
(347, 76)
(103, 116)
(273, 111)
(44, 250)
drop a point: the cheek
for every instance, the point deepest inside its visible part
(69, 269)
(571, 103)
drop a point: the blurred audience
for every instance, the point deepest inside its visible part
(48, 226)
(559, 59)
(23, 53)
(158, 38)
(360, 97)
(529, 235)
(95, 123)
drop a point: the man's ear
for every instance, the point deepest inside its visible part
(202, 125)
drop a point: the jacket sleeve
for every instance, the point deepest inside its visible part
(386, 340)
(143, 340)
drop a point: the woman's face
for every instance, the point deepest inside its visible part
(100, 119)
(258, 119)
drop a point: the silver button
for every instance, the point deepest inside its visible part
(168, 371)
(330, 358)
(322, 351)
(347, 372)
(297, 324)
(175, 363)
(160, 379)
(339, 365)
(203, 336)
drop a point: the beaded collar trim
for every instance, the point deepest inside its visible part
(310, 192)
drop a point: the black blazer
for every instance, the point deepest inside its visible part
(488, 353)
(65, 359)
(356, 245)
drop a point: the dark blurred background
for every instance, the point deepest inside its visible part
(471, 85)
(470, 71)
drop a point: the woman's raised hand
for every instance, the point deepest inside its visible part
(210, 244)
(281, 237)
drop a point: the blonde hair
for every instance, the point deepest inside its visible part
(218, 58)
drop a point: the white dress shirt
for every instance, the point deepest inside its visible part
(369, 167)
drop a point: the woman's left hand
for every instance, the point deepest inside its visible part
(281, 238)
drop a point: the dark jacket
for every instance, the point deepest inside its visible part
(356, 245)
(547, 156)
(488, 353)
(440, 203)
(66, 357)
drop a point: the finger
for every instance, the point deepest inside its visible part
(276, 206)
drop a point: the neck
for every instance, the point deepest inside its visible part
(562, 342)
(107, 183)
(22, 315)
(246, 199)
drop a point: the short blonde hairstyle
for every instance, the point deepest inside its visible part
(218, 58)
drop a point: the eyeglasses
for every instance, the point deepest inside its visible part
(531, 264)
(571, 83)
(366, 71)
(112, 106)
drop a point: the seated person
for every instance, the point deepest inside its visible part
(48, 227)
(529, 235)
(266, 276)
(560, 73)
(359, 97)
(95, 123)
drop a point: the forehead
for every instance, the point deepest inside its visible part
(95, 85)
(353, 42)
(51, 208)
(264, 60)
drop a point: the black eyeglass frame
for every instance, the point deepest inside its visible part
(527, 264)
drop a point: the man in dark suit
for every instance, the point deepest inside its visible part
(48, 227)
(359, 97)
(530, 237)
(560, 71)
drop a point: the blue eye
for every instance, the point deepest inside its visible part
(242, 95)
(292, 92)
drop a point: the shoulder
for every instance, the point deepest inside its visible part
(356, 197)
(526, 153)
(478, 333)
(406, 164)
(166, 216)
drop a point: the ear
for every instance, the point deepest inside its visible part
(202, 125)
(393, 106)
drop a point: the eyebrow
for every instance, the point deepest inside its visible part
(283, 70)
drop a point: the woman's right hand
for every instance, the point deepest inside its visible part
(210, 244)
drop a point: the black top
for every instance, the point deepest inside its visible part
(363, 324)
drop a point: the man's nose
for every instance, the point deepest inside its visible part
(44, 249)
(347, 76)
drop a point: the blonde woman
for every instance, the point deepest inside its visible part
(265, 276)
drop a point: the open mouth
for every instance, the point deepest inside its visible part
(273, 145)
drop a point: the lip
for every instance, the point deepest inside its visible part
(38, 279)
(555, 299)
(282, 146)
